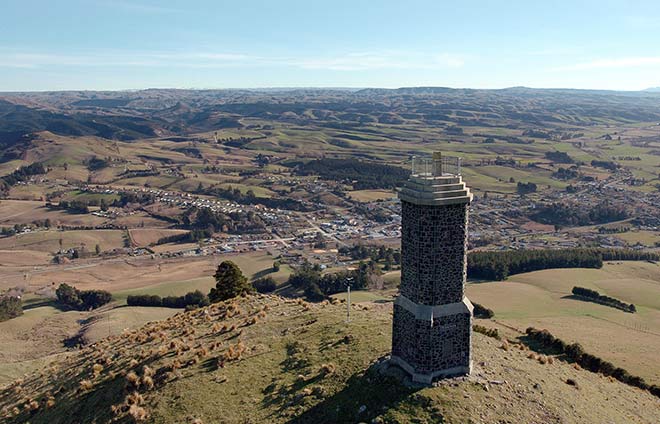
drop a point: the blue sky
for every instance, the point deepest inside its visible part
(130, 44)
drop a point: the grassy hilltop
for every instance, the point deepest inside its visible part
(270, 359)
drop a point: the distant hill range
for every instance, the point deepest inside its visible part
(653, 90)
(130, 115)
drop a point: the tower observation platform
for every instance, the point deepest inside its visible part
(432, 325)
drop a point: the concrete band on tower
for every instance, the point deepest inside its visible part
(432, 325)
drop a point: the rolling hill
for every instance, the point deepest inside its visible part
(270, 359)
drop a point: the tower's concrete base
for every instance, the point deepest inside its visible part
(428, 378)
(431, 342)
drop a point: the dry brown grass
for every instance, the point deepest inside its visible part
(97, 369)
(327, 369)
(132, 380)
(251, 321)
(147, 382)
(234, 352)
(147, 372)
(86, 385)
(202, 352)
(138, 413)
(134, 398)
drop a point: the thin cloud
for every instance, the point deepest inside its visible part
(369, 61)
(356, 61)
(140, 7)
(623, 62)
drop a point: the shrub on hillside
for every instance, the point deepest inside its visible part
(594, 296)
(265, 284)
(10, 307)
(482, 312)
(81, 300)
(490, 332)
(590, 362)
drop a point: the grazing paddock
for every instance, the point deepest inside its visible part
(371, 195)
(25, 211)
(19, 258)
(542, 299)
(49, 241)
(147, 236)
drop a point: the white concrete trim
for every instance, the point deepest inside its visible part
(435, 191)
(426, 312)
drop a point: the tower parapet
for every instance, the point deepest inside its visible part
(432, 326)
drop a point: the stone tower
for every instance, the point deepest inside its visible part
(432, 326)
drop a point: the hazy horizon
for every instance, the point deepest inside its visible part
(330, 88)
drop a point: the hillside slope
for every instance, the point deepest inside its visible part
(268, 359)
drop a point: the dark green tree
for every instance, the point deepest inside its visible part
(10, 307)
(230, 282)
(196, 298)
(265, 284)
(68, 295)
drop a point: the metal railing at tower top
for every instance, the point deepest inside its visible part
(436, 166)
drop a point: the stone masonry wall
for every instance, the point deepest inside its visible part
(433, 253)
(429, 348)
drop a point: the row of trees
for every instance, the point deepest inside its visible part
(10, 307)
(265, 284)
(17, 228)
(612, 166)
(526, 188)
(594, 296)
(387, 255)
(209, 221)
(71, 206)
(361, 174)
(499, 265)
(21, 174)
(317, 287)
(95, 163)
(81, 300)
(192, 236)
(559, 157)
(576, 353)
(249, 198)
(481, 311)
(190, 300)
(230, 283)
(628, 255)
(565, 174)
(577, 214)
